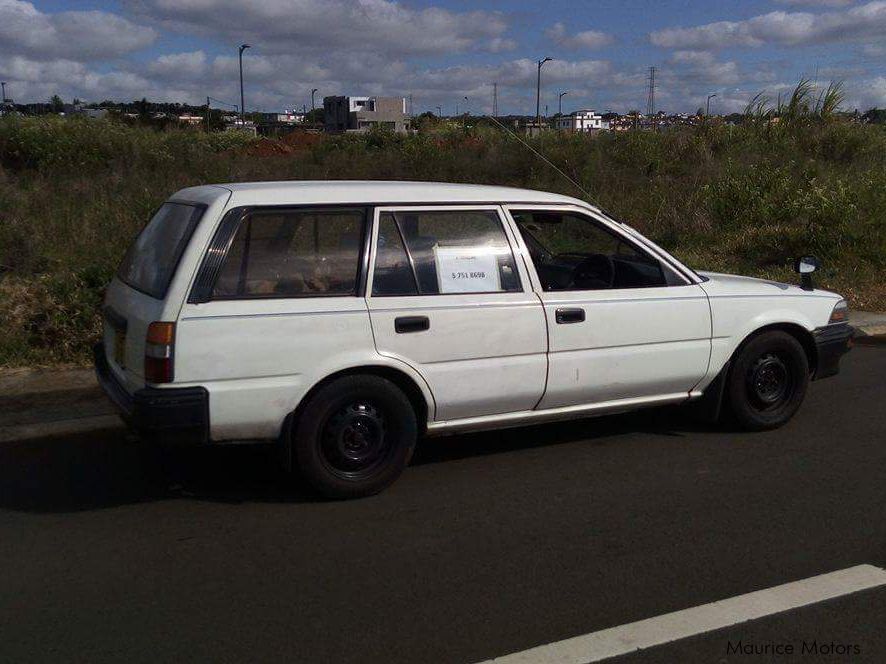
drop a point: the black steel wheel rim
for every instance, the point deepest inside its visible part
(355, 441)
(770, 382)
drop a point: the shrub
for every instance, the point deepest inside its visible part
(73, 193)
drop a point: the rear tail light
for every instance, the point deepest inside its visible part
(840, 314)
(159, 352)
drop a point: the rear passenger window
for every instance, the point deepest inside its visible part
(293, 253)
(440, 252)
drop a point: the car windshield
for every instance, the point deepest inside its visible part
(152, 258)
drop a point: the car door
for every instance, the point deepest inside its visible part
(623, 325)
(447, 296)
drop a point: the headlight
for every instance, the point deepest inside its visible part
(840, 314)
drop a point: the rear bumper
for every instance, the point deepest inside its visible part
(175, 415)
(831, 343)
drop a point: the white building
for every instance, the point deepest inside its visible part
(286, 117)
(582, 121)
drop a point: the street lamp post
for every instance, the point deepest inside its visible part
(313, 114)
(708, 106)
(243, 47)
(560, 102)
(538, 94)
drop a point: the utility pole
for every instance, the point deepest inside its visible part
(313, 108)
(243, 47)
(207, 115)
(3, 83)
(708, 107)
(495, 100)
(410, 104)
(538, 94)
(650, 98)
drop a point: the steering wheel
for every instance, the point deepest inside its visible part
(594, 272)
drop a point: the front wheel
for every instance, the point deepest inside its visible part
(355, 436)
(768, 381)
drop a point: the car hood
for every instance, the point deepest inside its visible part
(732, 284)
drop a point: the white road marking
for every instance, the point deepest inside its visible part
(669, 627)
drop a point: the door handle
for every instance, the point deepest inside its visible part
(566, 316)
(406, 324)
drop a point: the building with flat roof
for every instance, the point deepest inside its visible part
(344, 113)
(582, 121)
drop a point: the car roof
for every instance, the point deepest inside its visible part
(318, 192)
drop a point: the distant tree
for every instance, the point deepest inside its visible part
(424, 122)
(875, 116)
(56, 105)
(315, 116)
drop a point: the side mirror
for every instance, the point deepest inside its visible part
(805, 266)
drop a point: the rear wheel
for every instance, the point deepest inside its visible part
(355, 436)
(768, 381)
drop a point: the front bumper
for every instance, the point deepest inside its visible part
(831, 343)
(174, 415)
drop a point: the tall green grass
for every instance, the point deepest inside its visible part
(742, 199)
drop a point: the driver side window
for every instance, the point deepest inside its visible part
(571, 252)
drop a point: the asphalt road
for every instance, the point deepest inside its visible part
(489, 544)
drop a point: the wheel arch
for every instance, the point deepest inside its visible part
(800, 333)
(711, 403)
(417, 397)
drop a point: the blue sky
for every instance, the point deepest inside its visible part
(441, 51)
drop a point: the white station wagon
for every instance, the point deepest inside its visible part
(347, 319)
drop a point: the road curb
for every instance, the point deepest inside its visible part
(869, 334)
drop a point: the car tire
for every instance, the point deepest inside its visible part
(767, 381)
(355, 436)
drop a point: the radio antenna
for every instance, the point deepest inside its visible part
(542, 157)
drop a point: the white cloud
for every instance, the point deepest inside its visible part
(179, 65)
(588, 39)
(780, 28)
(35, 80)
(869, 93)
(701, 67)
(817, 3)
(385, 26)
(74, 35)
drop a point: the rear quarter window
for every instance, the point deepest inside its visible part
(152, 258)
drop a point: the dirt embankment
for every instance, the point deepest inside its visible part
(296, 141)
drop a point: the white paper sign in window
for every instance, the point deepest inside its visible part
(467, 269)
